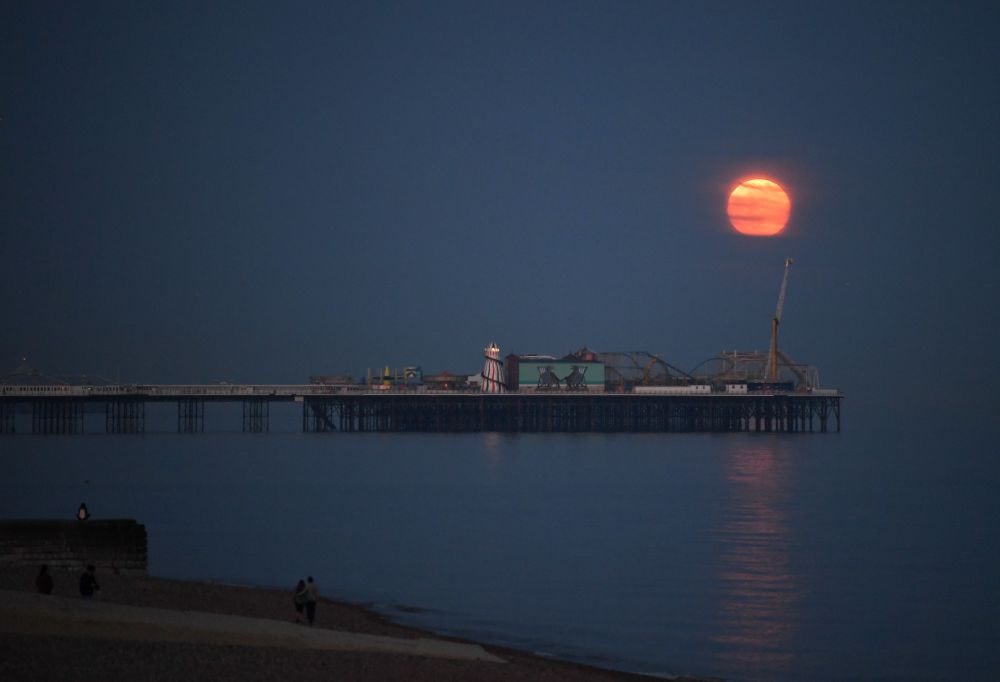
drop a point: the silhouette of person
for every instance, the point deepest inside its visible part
(82, 514)
(299, 600)
(312, 596)
(43, 581)
(88, 583)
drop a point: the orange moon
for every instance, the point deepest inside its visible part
(759, 207)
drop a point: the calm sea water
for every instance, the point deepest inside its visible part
(866, 555)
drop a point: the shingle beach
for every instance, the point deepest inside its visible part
(145, 628)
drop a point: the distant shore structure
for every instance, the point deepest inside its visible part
(493, 376)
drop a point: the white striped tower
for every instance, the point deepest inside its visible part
(493, 379)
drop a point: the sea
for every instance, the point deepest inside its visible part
(869, 554)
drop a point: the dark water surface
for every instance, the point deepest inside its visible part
(870, 554)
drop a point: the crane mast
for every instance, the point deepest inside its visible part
(772, 364)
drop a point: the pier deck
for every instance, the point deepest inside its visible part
(60, 409)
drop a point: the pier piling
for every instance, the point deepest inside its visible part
(60, 409)
(570, 413)
(125, 416)
(190, 416)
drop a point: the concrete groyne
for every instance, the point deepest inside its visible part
(116, 544)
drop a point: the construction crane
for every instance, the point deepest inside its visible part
(772, 365)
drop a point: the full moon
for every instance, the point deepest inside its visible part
(759, 207)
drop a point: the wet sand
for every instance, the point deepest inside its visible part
(65, 649)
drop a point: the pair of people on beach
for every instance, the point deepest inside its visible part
(306, 596)
(88, 581)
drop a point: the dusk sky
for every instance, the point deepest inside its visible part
(193, 192)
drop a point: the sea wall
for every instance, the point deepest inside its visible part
(117, 544)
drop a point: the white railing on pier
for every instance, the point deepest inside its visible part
(293, 391)
(173, 390)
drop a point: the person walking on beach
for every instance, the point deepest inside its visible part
(88, 583)
(312, 596)
(43, 581)
(299, 600)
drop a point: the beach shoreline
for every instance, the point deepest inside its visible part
(65, 650)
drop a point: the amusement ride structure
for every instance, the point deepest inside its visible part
(492, 375)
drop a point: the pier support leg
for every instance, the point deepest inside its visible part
(256, 416)
(190, 416)
(56, 416)
(125, 416)
(318, 416)
(8, 408)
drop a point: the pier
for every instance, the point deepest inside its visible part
(348, 409)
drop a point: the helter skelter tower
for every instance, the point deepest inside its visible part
(493, 380)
